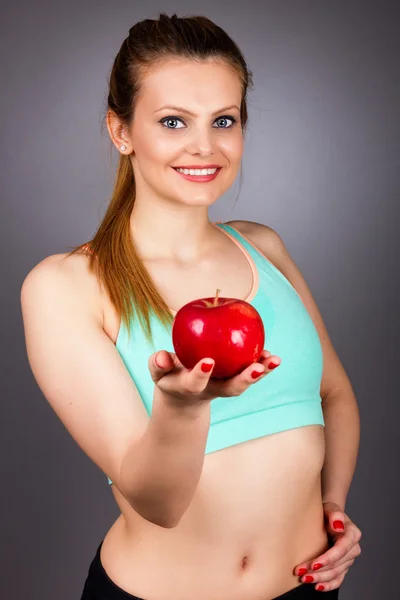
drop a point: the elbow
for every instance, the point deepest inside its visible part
(156, 515)
(165, 523)
(171, 522)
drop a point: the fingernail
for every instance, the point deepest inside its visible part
(317, 566)
(302, 572)
(308, 579)
(206, 367)
(338, 525)
(256, 374)
(158, 365)
(272, 365)
(320, 588)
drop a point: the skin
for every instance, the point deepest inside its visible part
(170, 217)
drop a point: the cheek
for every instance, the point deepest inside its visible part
(159, 151)
(233, 148)
(154, 146)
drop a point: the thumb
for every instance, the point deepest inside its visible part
(159, 364)
(335, 516)
(337, 521)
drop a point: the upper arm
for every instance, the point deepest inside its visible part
(78, 368)
(270, 243)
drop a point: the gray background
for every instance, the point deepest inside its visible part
(321, 167)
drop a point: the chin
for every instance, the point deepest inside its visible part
(201, 201)
(187, 199)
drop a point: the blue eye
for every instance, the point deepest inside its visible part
(166, 121)
(227, 118)
(169, 119)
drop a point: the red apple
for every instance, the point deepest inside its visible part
(228, 330)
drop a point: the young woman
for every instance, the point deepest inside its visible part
(218, 482)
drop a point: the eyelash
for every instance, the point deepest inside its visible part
(171, 118)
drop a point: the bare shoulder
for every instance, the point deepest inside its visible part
(73, 272)
(251, 227)
(264, 237)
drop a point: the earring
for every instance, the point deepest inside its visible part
(122, 147)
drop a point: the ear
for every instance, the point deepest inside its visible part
(118, 133)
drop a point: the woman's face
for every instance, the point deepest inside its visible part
(163, 138)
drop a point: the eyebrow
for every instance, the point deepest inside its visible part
(188, 112)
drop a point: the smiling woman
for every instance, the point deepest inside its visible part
(186, 139)
(219, 493)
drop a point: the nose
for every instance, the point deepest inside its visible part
(201, 143)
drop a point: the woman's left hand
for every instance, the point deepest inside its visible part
(336, 561)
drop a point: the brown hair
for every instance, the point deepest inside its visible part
(112, 254)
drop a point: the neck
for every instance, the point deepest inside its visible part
(165, 231)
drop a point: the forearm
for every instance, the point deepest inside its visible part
(342, 439)
(161, 471)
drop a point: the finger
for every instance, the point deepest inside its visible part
(264, 366)
(342, 546)
(266, 358)
(159, 364)
(238, 384)
(196, 380)
(332, 584)
(330, 574)
(350, 557)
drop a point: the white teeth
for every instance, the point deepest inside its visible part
(197, 171)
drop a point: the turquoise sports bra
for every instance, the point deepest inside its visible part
(288, 397)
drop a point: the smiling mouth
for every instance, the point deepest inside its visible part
(198, 175)
(198, 172)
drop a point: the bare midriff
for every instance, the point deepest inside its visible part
(256, 514)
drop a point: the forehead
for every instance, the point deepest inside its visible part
(197, 84)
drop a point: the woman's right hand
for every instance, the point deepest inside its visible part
(193, 386)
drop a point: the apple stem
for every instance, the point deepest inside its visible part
(216, 298)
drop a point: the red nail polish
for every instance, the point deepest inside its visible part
(272, 365)
(302, 572)
(206, 367)
(338, 525)
(256, 374)
(320, 588)
(317, 566)
(308, 579)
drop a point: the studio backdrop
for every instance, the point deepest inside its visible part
(321, 167)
